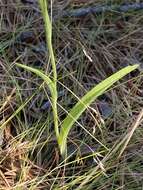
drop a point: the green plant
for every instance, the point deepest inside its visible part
(84, 102)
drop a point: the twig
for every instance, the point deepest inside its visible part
(99, 9)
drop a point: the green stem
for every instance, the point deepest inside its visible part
(48, 30)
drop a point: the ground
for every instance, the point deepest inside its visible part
(87, 50)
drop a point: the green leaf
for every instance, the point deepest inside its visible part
(53, 92)
(47, 79)
(84, 102)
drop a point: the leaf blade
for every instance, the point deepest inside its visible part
(85, 101)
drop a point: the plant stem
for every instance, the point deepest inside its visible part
(48, 30)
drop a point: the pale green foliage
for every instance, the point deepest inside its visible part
(84, 102)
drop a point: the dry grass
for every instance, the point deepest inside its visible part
(87, 51)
